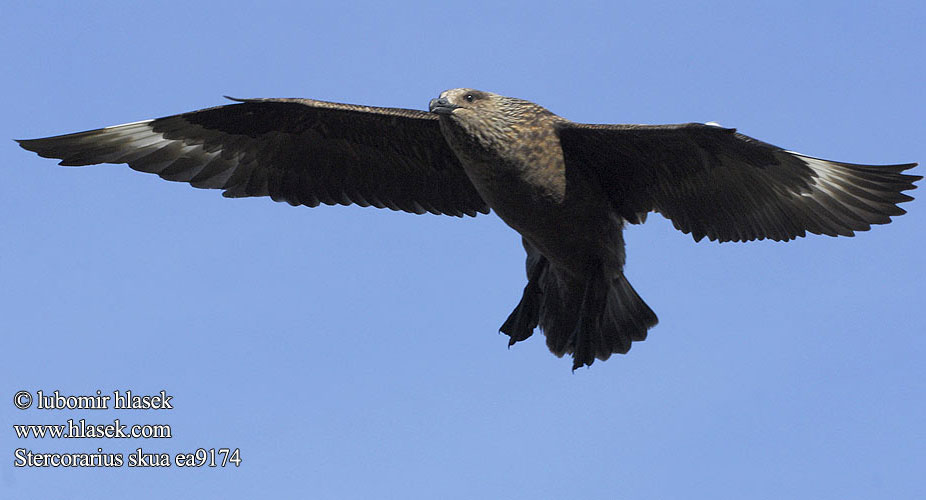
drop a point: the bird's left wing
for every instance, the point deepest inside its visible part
(301, 151)
(712, 181)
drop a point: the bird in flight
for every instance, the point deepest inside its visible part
(568, 188)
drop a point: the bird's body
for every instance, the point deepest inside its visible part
(573, 239)
(567, 188)
(520, 172)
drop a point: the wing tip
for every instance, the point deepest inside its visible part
(27, 144)
(242, 99)
(35, 146)
(43, 149)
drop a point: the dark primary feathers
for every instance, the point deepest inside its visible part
(301, 151)
(712, 181)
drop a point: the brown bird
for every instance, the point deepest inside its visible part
(568, 188)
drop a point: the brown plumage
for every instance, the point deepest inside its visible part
(567, 188)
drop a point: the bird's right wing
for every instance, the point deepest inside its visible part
(301, 151)
(712, 181)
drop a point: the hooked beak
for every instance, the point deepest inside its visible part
(441, 106)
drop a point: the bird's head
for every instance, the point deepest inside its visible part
(465, 100)
(463, 103)
(488, 118)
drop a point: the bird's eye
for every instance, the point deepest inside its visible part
(469, 97)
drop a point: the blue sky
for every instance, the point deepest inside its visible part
(354, 353)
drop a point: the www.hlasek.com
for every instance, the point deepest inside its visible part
(81, 429)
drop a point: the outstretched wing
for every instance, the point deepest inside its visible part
(301, 151)
(711, 181)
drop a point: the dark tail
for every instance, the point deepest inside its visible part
(588, 320)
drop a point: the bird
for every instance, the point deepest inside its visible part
(569, 189)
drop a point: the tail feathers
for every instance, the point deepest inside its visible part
(525, 317)
(592, 320)
(626, 315)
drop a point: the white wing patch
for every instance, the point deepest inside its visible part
(132, 142)
(824, 173)
(846, 186)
